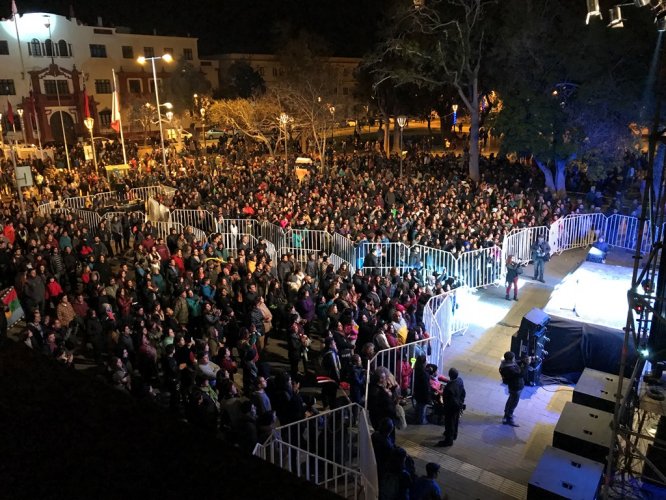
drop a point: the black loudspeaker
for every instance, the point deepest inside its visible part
(584, 431)
(657, 456)
(597, 389)
(533, 322)
(560, 474)
(533, 375)
(519, 346)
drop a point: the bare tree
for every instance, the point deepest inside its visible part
(257, 118)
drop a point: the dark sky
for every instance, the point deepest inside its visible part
(348, 26)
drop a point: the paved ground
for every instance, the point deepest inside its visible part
(490, 460)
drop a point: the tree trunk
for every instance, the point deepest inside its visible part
(396, 137)
(387, 142)
(474, 173)
(548, 175)
(561, 177)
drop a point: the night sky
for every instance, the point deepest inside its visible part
(348, 26)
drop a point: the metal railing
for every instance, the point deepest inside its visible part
(200, 219)
(332, 449)
(302, 242)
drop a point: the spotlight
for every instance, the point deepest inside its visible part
(645, 352)
(615, 17)
(592, 10)
(641, 3)
(661, 23)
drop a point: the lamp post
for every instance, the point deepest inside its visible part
(203, 127)
(284, 119)
(90, 123)
(454, 107)
(2, 138)
(402, 121)
(20, 113)
(47, 23)
(166, 58)
(331, 109)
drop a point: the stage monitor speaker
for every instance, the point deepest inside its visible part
(597, 390)
(657, 456)
(584, 431)
(519, 346)
(561, 474)
(533, 374)
(533, 322)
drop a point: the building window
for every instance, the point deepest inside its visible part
(151, 84)
(345, 91)
(35, 48)
(188, 54)
(105, 118)
(97, 50)
(4, 48)
(55, 87)
(148, 52)
(103, 86)
(7, 87)
(128, 52)
(64, 49)
(48, 48)
(275, 72)
(134, 85)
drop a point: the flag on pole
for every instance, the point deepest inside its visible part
(10, 113)
(14, 9)
(115, 108)
(86, 103)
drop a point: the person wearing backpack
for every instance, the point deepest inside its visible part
(513, 375)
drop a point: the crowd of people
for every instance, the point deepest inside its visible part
(192, 321)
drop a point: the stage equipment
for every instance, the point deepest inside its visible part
(584, 431)
(561, 474)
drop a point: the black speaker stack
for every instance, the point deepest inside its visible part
(530, 340)
(573, 468)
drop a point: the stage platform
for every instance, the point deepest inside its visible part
(588, 312)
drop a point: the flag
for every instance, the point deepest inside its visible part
(10, 113)
(115, 107)
(14, 9)
(86, 103)
(13, 309)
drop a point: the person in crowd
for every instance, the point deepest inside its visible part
(540, 255)
(422, 394)
(426, 487)
(513, 375)
(454, 404)
(513, 271)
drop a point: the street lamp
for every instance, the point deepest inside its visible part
(47, 23)
(455, 113)
(90, 123)
(166, 58)
(20, 113)
(284, 119)
(402, 121)
(332, 111)
(202, 111)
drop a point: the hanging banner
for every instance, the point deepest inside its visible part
(13, 310)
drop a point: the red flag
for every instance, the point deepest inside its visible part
(86, 103)
(10, 113)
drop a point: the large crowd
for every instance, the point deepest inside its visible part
(191, 321)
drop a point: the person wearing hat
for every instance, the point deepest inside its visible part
(426, 487)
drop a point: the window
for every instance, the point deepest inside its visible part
(97, 50)
(188, 54)
(148, 52)
(4, 48)
(103, 86)
(134, 85)
(151, 85)
(275, 72)
(35, 48)
(102, 31)
(55, 87)
(128, 52)
(7, 87)
(48, 48)
(105, 118)
(345, 91)
(64, 49)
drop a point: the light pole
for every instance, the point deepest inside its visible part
(284, 119)
(166, 58)
(332, 111)
(2, 138)
(454, 107)
(90, 123)
(402, 121)
(203, 127)
(20, 113)
(62, 120)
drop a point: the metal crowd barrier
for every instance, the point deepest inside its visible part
(90, 218)
(302, 242)
(337, 261)
(622, 231)
(575, 231)
(332, 449)
(518, 242)
(200, 219)
(480, 267)
(343, 247)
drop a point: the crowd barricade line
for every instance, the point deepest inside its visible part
(302, 242)
(200, 219)
(343, 247)
(480, 268)
(332, 449)
(519, 243)
(273, 233)
(163, 228)
(337, 261)
(90, 218)
(432, 262)
(108, 216)
(156, 211)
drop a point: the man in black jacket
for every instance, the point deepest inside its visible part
(513, 375)
(454, 403)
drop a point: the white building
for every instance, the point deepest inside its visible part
(46, 60)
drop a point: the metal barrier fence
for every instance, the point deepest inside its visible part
(433, 261)
(329, 449)
(344, 248)
(387, 256)
(200, 219)
(480, 267)
(575, 231)
(302, 242)
(108, 216)
(519, 243)
(90, 218)
(337, 261)
(274, 234)
(622, 231)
